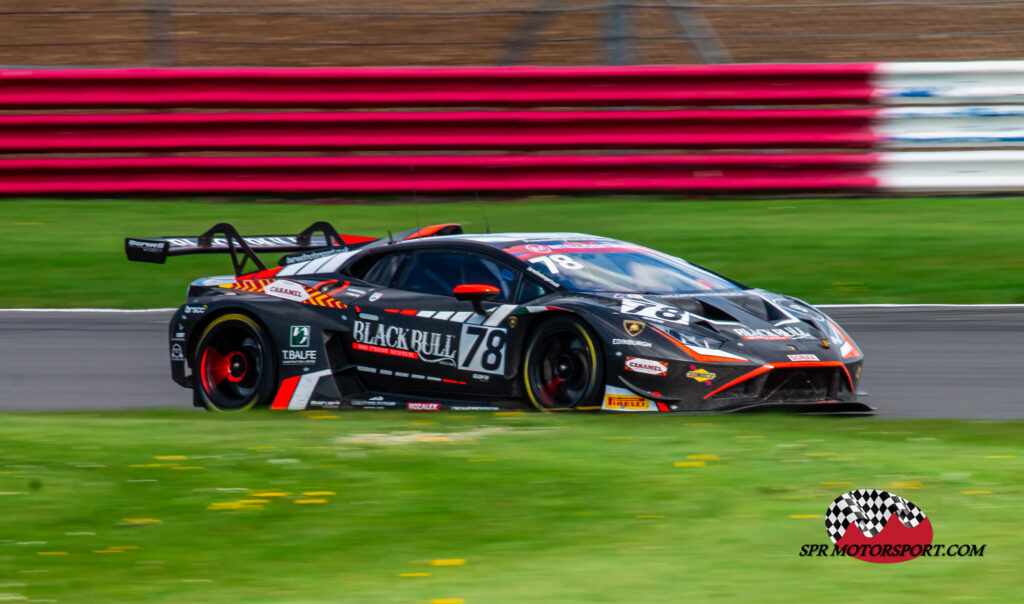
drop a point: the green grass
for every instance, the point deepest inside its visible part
(542, 508)
(70, 253)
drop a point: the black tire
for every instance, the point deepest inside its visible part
(234, 368)
(563, 367)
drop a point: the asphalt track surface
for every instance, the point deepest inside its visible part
(922, 361)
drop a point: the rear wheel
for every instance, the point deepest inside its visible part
(562, 366)
(234, 364)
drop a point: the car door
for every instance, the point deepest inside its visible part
(417, 338)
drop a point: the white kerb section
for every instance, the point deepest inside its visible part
(951, 171)
(950, 127)
(947, 82)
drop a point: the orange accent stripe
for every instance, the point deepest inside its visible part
(342, 288)
(704, 358)
(428, 231)
(409, 312)
(263, 274)
(742, 378)
(350, 239)
(285, 392)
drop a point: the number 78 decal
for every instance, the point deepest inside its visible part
(482, 349)
(653, 310)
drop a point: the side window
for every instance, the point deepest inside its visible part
(384, 269)
(530, 290)
(439, 273)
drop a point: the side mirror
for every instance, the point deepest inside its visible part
(476, 294)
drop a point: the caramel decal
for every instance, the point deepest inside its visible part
(286, 290)
(648, 366)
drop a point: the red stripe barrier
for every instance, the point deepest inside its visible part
(437, 130)
(642, 173)
(438, 87)
(132, 92)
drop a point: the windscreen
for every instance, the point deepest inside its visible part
(616, 266)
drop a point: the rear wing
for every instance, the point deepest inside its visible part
(224, 238)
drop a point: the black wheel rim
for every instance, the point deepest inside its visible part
(560, 370)
(231, 366)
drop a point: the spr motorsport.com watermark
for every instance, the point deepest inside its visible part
(879, 526)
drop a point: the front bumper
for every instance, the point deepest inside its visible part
(819, 387)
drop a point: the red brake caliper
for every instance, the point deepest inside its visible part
(551, 388)
(217, 367)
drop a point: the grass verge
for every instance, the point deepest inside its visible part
(381, 507)
(66, 254)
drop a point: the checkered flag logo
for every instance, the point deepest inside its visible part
(871, 510)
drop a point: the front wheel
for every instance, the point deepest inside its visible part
(234, 364)
(562, 366)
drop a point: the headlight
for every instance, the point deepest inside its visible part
(834, 336)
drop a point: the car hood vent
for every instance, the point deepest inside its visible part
(756, 305)
(699, 307)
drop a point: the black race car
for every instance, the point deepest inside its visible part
(434, 319)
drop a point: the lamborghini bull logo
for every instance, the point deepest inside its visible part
(427, 346)
(633, 327)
